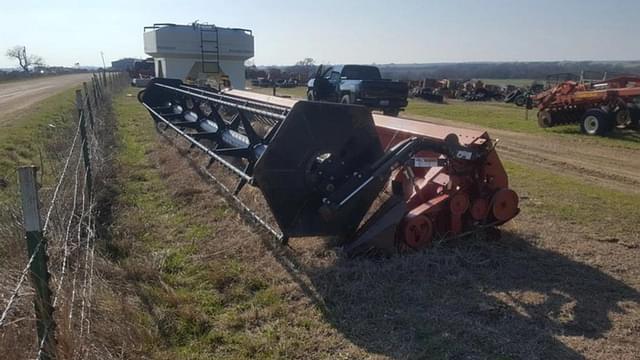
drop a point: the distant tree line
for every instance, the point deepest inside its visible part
(301, 71)
(506, 70)
(510, 70)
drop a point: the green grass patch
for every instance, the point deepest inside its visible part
(299, 92)
(515, 82)
(574, 201)
(26, 134)
(494, 115)
(498, 115)
(202, 308)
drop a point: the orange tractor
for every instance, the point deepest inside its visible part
(598, 107)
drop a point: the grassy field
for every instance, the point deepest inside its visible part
(498, 115)
(210, 288)
(489, 115)
(570, 200)
(505, 82)
(189, 279)
(202, 301)
(299, 92)
(23, 139)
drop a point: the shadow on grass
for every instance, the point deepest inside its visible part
(471, 299)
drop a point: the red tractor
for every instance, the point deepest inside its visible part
(598, 107)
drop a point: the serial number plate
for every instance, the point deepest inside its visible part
(421, 162)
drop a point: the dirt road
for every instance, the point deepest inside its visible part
(19, 95)
(577, 156)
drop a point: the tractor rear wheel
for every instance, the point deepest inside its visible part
(595, 122)
(545, 120)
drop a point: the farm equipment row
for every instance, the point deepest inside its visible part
(382, 184)
(598, 107)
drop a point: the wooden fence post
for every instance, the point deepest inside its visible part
(37, 249)
(97, 79)
(85, 142)
(96, 85)
(88, 97)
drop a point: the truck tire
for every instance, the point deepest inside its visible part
(520, 100)
(345, 99)
(391, 112)
(596, 122)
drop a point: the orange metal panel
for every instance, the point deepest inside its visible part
(393, 125)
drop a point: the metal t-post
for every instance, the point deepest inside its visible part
(37, 250)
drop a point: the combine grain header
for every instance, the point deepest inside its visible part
(383, 184)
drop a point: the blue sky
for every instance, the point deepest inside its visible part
(348, 31)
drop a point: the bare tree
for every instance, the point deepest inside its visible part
(306, 62)
(303, 69)
(25, 61)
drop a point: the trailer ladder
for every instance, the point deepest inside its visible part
(209, 48)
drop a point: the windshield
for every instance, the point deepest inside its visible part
(358, 72)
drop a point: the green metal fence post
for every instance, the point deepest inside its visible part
(37, 249)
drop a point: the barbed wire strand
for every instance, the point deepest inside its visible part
(92, 243)
(89, 244)
(68, 231)
(41, 345)
(25, 271)
(79, 244)
(82, 214)
(64, 170)
(14, 294)
(84, 284)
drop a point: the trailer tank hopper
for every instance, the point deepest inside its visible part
(198, 52)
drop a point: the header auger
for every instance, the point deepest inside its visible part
(383, 184)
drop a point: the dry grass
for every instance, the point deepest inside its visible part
(213, 287)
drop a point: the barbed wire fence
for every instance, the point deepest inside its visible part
(61, 237)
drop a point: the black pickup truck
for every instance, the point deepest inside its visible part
(358, 84)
